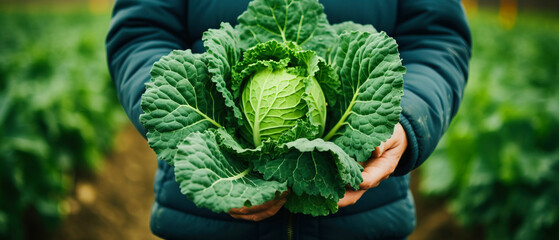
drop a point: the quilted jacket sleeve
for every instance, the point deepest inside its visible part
(141, 32)
(435, 45)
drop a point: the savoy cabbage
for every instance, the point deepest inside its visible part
(282, 100)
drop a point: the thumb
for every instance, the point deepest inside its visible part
(379, 150)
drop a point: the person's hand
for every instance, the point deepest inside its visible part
(382, 163)
(260, 212)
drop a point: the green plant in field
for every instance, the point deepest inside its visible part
(498, 163)
(57, 111)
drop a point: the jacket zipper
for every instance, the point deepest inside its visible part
(290, 227)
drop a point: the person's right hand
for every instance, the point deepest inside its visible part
(380, 166)
(260, 212)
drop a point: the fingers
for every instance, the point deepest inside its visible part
(375, 171)
(382, 164)
(350, 197)
(378, 170)
(259, 212)
(384, 159)
(378, 151)
(253, 209)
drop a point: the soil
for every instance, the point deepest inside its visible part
(434, 221)
(115, 203)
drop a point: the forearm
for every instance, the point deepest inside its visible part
(140, 33)
(436, 54)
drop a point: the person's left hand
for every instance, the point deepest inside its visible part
(380, 166)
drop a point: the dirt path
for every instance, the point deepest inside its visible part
(115, 203)
(434, 222)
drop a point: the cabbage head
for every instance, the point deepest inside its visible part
(279, 92)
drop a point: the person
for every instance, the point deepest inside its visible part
(434, 43)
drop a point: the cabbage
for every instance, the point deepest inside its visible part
(277, 95)
(282, 101)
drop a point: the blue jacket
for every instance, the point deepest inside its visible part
(434, 43)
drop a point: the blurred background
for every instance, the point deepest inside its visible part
(73, 167)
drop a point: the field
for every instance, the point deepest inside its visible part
(58, 112)
(499, 161)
